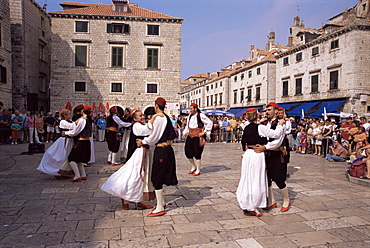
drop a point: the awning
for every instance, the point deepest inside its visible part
(330, 105)
(289, 105)
(242, 110)
(305, 106)
(216, 112)
(185, 111)
(234, 110)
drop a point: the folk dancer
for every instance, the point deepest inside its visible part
(276, 161)
(251, 192)
(81, 151)
(194, 144)
(55, 160)
(164, 162)
(113, 122)
(132, 182)
(126, 135)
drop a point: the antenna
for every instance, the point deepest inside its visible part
(298, 10)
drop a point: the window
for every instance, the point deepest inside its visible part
(151, 88)
(258, 93)
(334, 80)
(315, 51)
(220, 84)
(211, 86)
(315, 83)
(241, 96)
(286, 61)
(80, 86)
(298, 86)
(220, 98)
(207, 100)
(258, 71)
(153, 29)
(152, 58)
(41, 52)
(81, 26)
(117, 56)
(298, 56)
(242, 76)
(42, 82)
(211, 100)
(80, 55)
(235, 96)
(216, 100)
(235, 78)
(216, 85)
(1, 35)
(207, 89)
(334, 44)
(116, 87)
(250, 74)
(3, 74)
(285, 88)
(249, 96)
(118, 28)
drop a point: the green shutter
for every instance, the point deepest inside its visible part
(80, 55)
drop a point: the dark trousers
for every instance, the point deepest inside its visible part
(276, 170)
(80, 152)
(112, 141)
(325, 146)
(164, 167)
(192, 148)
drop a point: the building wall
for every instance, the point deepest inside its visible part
(28, 68)
(5, 54)
(349, 59)
(98, 75)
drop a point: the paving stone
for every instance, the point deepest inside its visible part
(318, 215)
(306, 238)
(152, 242)
(87, 216)
(92, 235)
(34, 240)
(240, 233)
(275, 241)
(110, 223)
(19, 229)
(209, 216)
(94, 244)
(155, 230)
(348, 234)
(57, 226)
(178, 219)
(355, 220)
(330, 223)
(241, 223)
(282, 218)
(249, 243)
(197, 227)
(85, 225)
(223, 244)
(183, 210)
(77, 195)
(291, 227)
(132, 232)
(166, 219)
(184, 239)
(60, 190)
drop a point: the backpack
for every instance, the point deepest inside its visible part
(357, 169)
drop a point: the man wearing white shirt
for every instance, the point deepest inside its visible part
(164, 162)
(194, 144)
(276, 157)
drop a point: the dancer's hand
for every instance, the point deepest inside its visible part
(139, 142)
(259, 148)
(63, 133)
(281, 122)
(201, 134)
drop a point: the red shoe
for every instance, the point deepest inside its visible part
(269, 207)
(83, 178)
(109, 162)
(125, 206)
(144, 206)
(255, 213)
(196, 174)
(191, 172)
(115, 163)
(87, 165)
(284, 209)
(156, 214)
(164, 206)
(75, 180)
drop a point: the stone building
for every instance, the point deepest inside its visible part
(5, 55)
(327, 67)
(30, 48)
(116, 53)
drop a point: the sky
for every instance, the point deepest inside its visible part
(216, 33)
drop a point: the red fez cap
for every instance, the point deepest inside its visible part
(113, 108)
(64, 110)
(133, 111)
(79, 106)
(87, 107)
(161, 101)
(250, 110)
(280, 108)
(274, 104)
(194, 105)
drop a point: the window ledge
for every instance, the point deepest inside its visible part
(80, 92)
(298, 61)
(152, 69)
(314, 92)
(316, 55)
(285, 96)
(333, 90)
(298, 94)
(334, 50)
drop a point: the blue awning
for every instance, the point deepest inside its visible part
(289, 105)
(242, 110)
(305, 106)
(185, 111)
(331, 106)
(234, 110)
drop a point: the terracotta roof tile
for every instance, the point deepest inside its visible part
(106, 10)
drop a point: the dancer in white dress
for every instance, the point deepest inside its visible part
(132, 181)
(56, 156)
(252, 188)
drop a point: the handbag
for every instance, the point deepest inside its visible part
(319, 137)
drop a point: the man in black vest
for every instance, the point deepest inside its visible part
(276, 161)
(164, 162)
(194, 144)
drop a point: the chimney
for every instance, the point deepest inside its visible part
(121, 6)
(297, 21)
(290, 41)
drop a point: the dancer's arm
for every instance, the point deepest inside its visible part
(159, 126)
(120, 122)
(77, 129)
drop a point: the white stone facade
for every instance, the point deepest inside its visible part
(99, 74)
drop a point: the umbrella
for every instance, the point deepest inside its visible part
(69, 106)
(216, 112)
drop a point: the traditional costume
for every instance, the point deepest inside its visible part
(164, 162)
(194, 145)
(277, 157)
(252, 188)
(132, 182)
(55, 160)
(124, 147)
(113, 122)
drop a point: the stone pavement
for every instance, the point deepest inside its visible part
(36, 210)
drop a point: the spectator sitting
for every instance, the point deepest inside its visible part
(338, 153)
(366, 160)
(358, 154)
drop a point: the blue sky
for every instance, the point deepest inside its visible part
(216, 33)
